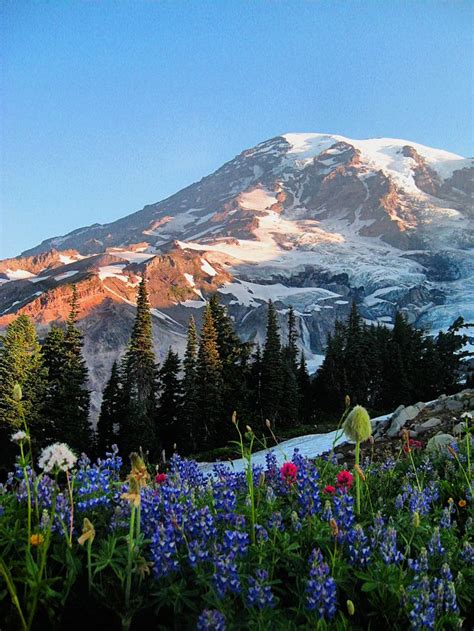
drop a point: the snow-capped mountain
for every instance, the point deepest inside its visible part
(311, 220)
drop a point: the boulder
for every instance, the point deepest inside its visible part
(439, 442)
(454, 406)
(422, 428)
(402, 416)
(458, 429)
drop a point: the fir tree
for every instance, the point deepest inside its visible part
(209, 377)
(68, 397)
(137, 416)
(290, 399)
(190, 409)
(21, 362)
(169, 407)
(109, 413)
(272, 374)
(304, 389)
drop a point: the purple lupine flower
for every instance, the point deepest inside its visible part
(259, 593)
(359, 547)
(467, 553)
(163, 551)
(211, 620)
(422, 614)
(434, 545)
(226, 576)
(419, 566)
(388, 547)
(321, 588)
(261, 533)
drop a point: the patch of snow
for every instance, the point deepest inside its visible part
(66, 274)
(131, 257)
(309, 446)
(257, 199)
(66, 259)
(207, 268)
(18, 274)
(190, 279)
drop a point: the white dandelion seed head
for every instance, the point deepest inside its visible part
(57, 456)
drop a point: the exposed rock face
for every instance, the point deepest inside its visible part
(311, 220)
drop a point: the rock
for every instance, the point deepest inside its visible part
(459, 429)
(339, 456)
(454, 406)
(427, 425)
(400, 418)
(439, 442)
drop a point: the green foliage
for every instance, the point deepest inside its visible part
(271, 388)
(209, 383)
(381, 368)
(170, 401)
(110, 409)
(137, 416)
(67, 399)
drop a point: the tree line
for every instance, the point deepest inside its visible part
(188, 402)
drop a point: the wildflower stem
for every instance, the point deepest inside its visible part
(357, 476)
(71, 502)
(128, 583)
(89, 564)
(13, 595)
(28, 493)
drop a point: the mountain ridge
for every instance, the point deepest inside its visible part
(311, 220)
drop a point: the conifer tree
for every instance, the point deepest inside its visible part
(209, 377)
(169, 407)
(21, 362)
(256, 383)
(68, 397)
(107, 434)
(290, 399)
(234, 357)
(272, 373)
(139, 373)
(304, 389)
(190, 409)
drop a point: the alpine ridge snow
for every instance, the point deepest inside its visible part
(310, 220)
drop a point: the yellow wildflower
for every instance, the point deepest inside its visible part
(37, 539)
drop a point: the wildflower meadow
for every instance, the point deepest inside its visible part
(312, 544)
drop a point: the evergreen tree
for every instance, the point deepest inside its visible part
(255, 384)
(68, 397)
(272, 373)
(21, 362)
(169, 408)
(304, 389)
(139, 373)
(209, 377)
(190, 409)
(355, 358)
(234, 356)
(290, 399)
(109, 413)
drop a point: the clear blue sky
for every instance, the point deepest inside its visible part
(110, 105)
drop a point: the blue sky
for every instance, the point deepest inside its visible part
(111, 105)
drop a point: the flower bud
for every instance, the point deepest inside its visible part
(350, 607)
(234, 417)
(17, 392)
(357, 425)
(347, 401)
(268, 424)
(416, 519)
(248, 428)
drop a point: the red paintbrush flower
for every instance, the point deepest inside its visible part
(160, 478)
(329, 489)
(344, 479)
(288, 472)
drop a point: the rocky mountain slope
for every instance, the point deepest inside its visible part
(311, 220)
